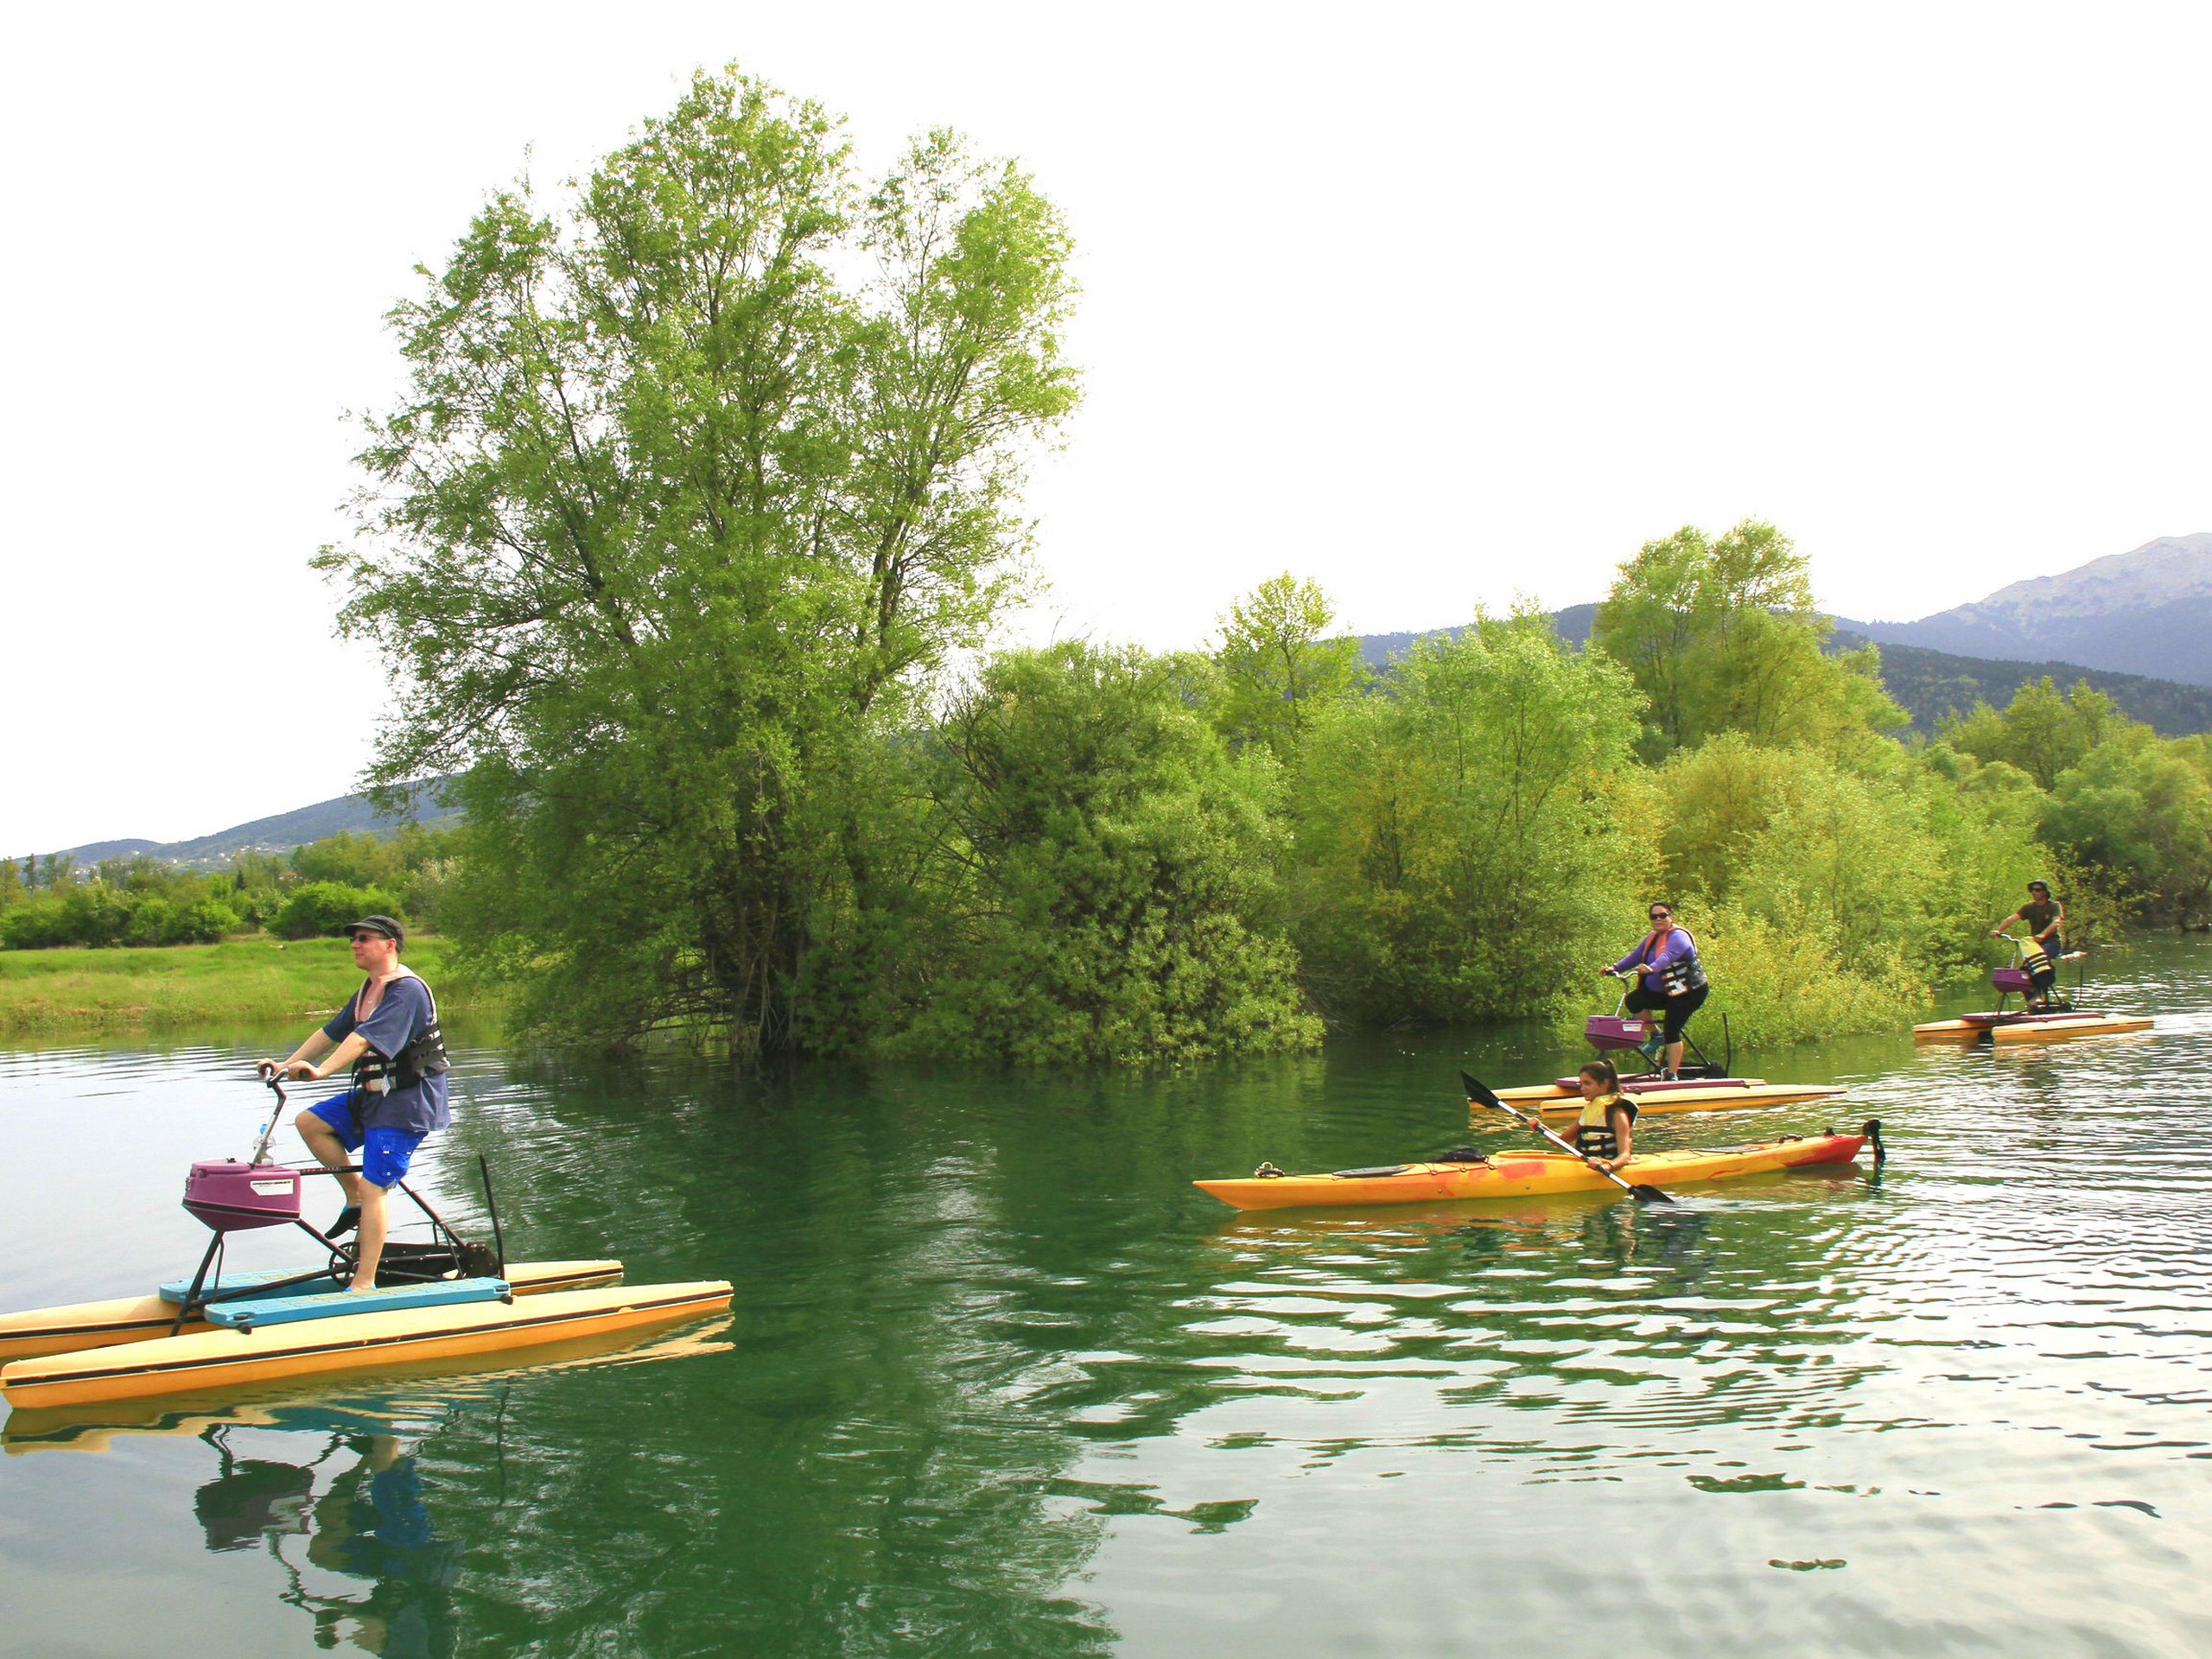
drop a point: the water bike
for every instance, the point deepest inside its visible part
(433, 1299)
(2049, 1023)
(1469, 1174)
(1701, 1085)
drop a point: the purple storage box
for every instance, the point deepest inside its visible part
(2010, 979)
(231, 1197)
(1610, 1031)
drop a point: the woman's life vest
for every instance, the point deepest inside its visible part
(424, 1057)
(1597, 1139)
(1682, 975)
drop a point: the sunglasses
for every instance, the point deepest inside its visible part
(1661, 915)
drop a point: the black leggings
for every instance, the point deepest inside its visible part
(1677, 1009)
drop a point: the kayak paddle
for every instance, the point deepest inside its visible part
(1479, 1094)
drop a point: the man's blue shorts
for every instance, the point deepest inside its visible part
(385, 1154)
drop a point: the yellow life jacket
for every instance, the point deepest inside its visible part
(1597, 1139)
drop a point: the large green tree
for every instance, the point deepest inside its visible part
(701, 474)
(1279, 666)
(1469, 839)
(1721, 634)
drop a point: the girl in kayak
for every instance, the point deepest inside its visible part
(1605, 1133)
(2046, 921)
(1670, 982)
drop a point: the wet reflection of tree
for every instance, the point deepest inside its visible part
(862, 1475)
(952, 1291)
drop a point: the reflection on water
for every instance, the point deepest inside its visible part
(998, 1381)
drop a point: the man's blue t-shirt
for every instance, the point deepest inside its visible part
(405, 1013)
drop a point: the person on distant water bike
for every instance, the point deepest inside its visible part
(1670, 982)
(2046, 921)
(387, 1034)
(1605, 1133)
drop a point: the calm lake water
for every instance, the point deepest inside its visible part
(997, 1380)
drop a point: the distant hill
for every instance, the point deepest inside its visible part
(2146, 612)
(1928, 684)
(279, 834)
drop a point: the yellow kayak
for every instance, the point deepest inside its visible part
(217, 1358)
(2025, 1027)
(1680, 1094)
(1527, 1174)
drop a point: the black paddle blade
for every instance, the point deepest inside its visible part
(1478, 1091)
(1648, 1195)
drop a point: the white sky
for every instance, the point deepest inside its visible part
(1435, 304)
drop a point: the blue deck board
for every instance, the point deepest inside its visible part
(285, 1310)
(174, 1291)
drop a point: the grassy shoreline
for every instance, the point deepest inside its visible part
(241, 982)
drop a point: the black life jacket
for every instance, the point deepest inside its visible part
(1597, 1139)
(422, 1057)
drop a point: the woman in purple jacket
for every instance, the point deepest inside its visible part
(1670, 982)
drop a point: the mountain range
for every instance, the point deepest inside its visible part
(2148, 612)
(279, 834)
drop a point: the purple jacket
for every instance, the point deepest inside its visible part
(1678, 948)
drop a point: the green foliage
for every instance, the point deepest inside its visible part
(348, 859)
(1109, 893)
(2042, 732)
(1469, 838)
(2143, 811)
(1723, 635)
(1873, 881)
(127, 902)
(2129, 812)
(1785, 982)
(318, 909)
(673, 529)
(1278, 672)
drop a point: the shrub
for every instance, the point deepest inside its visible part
(1789, 981)
(317, 908)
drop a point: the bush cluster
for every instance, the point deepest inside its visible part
(47, 903)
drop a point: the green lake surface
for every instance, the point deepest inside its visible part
(998, 1381)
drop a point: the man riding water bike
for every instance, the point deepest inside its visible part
(2046, 921)
(1670, 982)
(387, 1034)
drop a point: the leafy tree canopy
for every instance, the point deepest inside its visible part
(701, 474)
(1278, 666)
(1722, 634)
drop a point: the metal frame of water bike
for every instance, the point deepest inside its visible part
(1651, 1046)
(402, 1262)
(2018, 965)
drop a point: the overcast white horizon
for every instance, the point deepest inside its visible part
(1437, 306)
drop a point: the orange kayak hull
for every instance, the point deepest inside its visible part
(1529, 1174)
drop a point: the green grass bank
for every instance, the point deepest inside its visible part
(242, 982)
